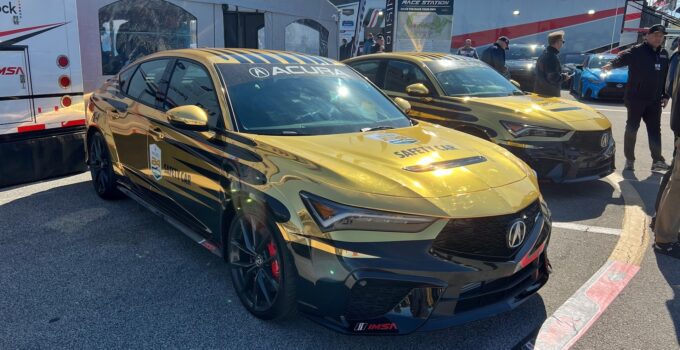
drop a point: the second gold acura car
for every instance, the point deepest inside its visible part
(319, 192)
(563, 140)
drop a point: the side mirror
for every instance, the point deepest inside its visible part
(403, 104)
(517, 85)
(188, 117)
(417, 89)
(579, 66)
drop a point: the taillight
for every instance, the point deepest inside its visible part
(66, 101)
(62, 61)
(64, 81)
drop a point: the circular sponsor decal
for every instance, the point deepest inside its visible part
(259, 72)
(392, 138)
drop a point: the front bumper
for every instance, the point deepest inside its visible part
(581, 158)
(415, 286)
(605, 91)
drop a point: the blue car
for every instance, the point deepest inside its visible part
(590, 82)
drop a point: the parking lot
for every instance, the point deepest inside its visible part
(80, 272)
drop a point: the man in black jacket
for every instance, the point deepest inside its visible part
(549, 76)
(494, 56)
(645, 95)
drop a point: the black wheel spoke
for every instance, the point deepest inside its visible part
(263, 288)
(253, 232)
(254, 289)
(242, 248)
(272, 281)
(242, 264)
(246, 237)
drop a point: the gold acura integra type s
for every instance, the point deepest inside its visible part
(318, 191)
(564, 141)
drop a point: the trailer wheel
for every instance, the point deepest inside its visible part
(101, 168)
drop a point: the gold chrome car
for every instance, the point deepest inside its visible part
(563, 140)
(319, 191)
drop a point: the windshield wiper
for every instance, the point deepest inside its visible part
(377, 128)
(518, 93)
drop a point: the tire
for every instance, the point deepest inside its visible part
(101, 168)
(261, 267)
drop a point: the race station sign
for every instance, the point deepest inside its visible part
(423, 25)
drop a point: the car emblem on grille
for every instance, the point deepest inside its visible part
(516, 233)
(604, 140)
(258, 72)
(619, 85)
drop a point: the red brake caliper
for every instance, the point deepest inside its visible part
(271, 248)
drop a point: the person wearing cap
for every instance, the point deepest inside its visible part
(645, 94)
(549, 76)
(468, 50)
(494, 56)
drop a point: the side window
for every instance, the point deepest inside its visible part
(190, 84)
(400, 74)
(369, 69)
(145, 83)
(124, 79)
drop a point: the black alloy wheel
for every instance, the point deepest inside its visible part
(261, 268)
(101, 168)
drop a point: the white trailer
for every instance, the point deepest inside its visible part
(41, 91)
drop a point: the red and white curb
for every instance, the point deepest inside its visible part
(575, 317)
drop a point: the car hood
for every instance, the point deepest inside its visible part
(619, 75)
(373, 162)
(534, 109)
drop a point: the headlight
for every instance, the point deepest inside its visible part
(331, 216)
(522, 130)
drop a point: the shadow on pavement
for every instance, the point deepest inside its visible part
(670, 271)
(647, 188)
(579, 201)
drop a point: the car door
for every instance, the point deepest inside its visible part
(128, 111)
(186, 165)
(400, 74)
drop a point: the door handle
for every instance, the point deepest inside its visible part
(156, 133)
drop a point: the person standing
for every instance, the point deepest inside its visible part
(368, 44)
(667, 223)
(549, 76)
(379, 45)
(645, 95)
(494, 56)
(468, 50)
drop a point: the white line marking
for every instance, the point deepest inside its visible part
(587, 228)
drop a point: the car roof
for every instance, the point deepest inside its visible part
(416, 57)
(244, 56)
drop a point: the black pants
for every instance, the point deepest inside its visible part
(650, 112)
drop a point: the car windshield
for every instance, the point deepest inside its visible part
(523, 52)
(464, 79)
(575, 58)
(599, 61)
(280, 99)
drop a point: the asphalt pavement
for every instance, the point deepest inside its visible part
(80, 272)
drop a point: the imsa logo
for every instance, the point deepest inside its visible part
(155, 162)
(363, 326)
(11, 71)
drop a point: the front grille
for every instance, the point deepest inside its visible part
(611, 93)
(589, 141)
(482, 237)
(374, 299)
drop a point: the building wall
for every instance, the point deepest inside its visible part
(210, 27)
